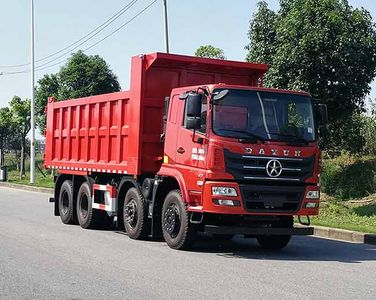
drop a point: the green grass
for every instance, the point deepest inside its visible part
(351, 215)
(40, 180)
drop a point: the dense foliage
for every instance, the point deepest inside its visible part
(347, 177)
(210, 51)
(20, 126)
(325, 47)
(5, 126)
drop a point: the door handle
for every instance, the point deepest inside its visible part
(180, 150)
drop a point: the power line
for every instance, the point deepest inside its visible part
(91, 34)
(123, 25)
(45, 66)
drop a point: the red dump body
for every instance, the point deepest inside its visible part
(121, 132)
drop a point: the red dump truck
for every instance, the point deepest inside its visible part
(195, 145)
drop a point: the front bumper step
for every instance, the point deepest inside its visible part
(213, 229)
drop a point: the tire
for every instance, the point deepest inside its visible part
(273, 242)
(135, 217)
(177, 231)
(88, 218)
(66, 203)
(223, 237)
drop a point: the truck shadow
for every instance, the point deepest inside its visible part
(299, 249)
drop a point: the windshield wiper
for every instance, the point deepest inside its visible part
(254, 137)
(295, 138)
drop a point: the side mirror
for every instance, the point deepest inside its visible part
(193, 105)
(193, 111)
(218, 96)
(192, 123)
(322, 115)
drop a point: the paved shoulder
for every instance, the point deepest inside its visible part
(42, 258)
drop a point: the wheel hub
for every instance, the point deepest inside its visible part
(131, 213)
(171, 220)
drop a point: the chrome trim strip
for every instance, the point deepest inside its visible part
(271, 178)
(272, 157)
(291, 169)
(251, 167)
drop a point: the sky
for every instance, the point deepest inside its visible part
(192, 23)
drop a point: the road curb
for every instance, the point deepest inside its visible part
(345, 235)
(27, 187)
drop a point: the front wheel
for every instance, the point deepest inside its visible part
(177, 231)
(273, 242)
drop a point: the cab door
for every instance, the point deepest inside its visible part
(191, 148)
(172, 128)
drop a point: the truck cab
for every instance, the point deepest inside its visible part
(244, 155)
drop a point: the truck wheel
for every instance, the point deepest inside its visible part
(88, 217)
(273, 242)
(178, 232)
(66, 203)
(135, 215)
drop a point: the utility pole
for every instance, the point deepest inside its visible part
(166, 26)
(32, 121)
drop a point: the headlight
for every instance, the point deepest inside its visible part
(313, 195)
(226, 202)
(311, 204)
(223, 191)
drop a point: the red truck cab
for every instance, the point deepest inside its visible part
(182, 153)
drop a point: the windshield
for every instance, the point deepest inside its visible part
(248, 114)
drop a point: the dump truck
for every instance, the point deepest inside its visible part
(196, 145)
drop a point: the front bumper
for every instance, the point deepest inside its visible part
(213, 229)
(254, 199)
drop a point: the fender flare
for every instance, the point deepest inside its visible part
(127, 180)
(170, 172)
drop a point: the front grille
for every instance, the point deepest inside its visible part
(271, 198)
(253, 167)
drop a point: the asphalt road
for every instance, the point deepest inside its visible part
(40, 258)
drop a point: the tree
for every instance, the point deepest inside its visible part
(262, 34)
(85, 75)
(5, 131)
(324, 47)
(20, 110)
(48, 87)
(210, 51)
(81, 76)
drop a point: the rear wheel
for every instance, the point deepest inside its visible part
(66, 203)
(178, 232)
(135, 215)
(273, 242)
(88, 217)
